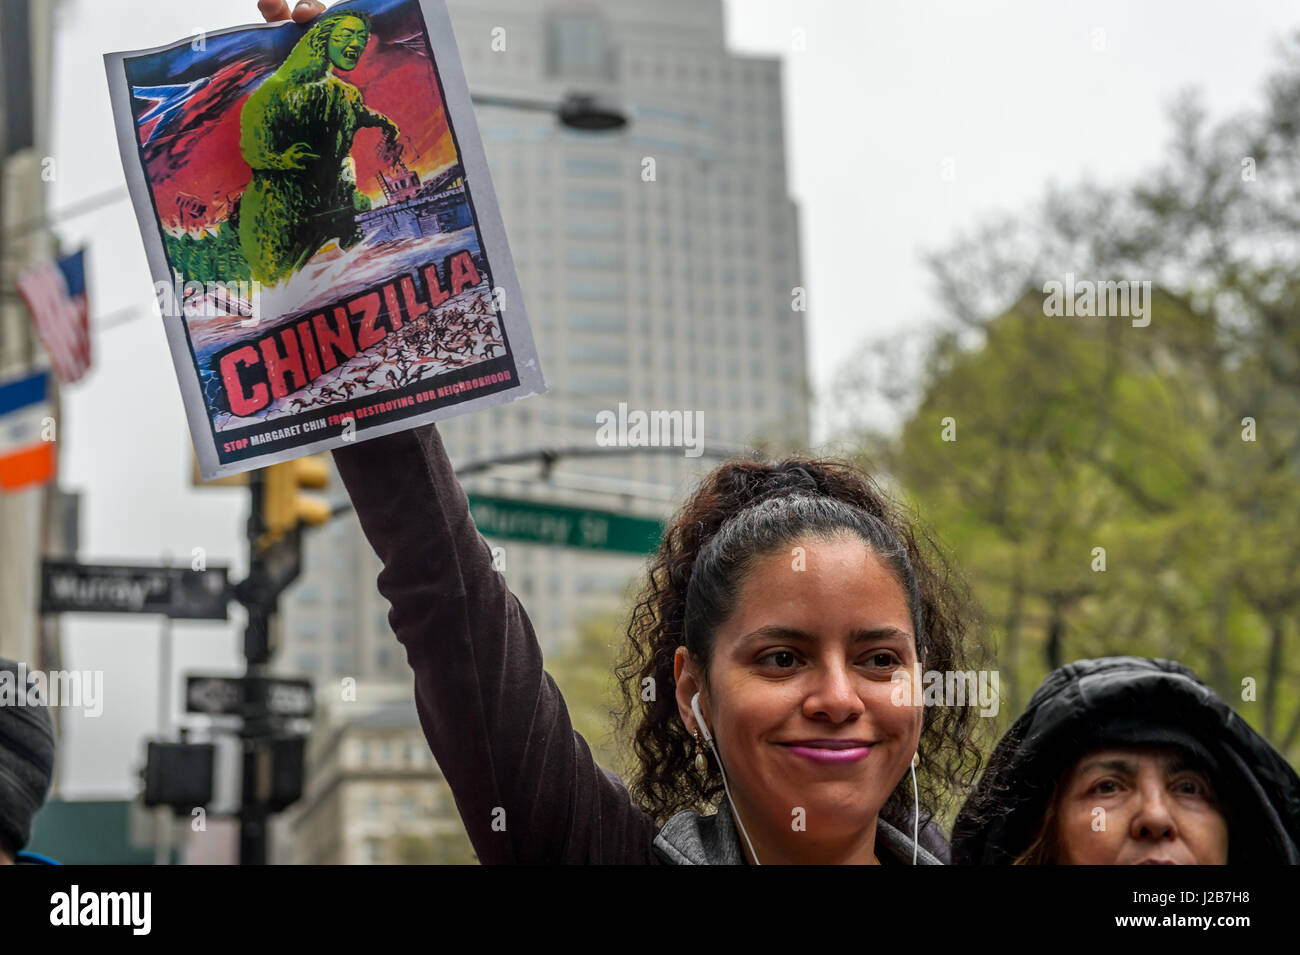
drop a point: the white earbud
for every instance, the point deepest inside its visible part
(708, 738)
(699, 718)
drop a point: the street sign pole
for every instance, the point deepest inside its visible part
(255, 734)
(256, 730)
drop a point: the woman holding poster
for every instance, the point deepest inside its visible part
(785, 605)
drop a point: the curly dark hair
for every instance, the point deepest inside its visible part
(741, 511)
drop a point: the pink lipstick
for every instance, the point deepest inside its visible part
(830, 750)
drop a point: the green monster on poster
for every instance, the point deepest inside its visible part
(296, 134)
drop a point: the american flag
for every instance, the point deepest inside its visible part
(55, 294)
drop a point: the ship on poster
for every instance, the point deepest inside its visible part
(328, 254)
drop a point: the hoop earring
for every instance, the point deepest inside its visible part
(701, 761)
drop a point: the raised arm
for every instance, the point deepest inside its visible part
(525, 782)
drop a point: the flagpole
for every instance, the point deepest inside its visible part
(4, 180)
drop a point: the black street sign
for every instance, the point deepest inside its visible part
(214, 695)
(286, 698)
(232, 695)
(69, 587)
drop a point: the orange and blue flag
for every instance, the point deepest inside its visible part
(26, 458)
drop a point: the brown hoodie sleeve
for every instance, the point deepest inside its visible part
(525, 782)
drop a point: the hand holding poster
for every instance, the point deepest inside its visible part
(324, 239)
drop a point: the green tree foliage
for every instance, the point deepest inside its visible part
(1174, 446)
(584, 671)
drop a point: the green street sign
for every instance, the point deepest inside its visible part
(560, 526)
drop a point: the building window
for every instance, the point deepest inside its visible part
(578, 48)
(598, 322)
(595, 289)
(599, 385)
(599, 258)
(599, 353)
(592, 225)
(590, 167)
(581, 196)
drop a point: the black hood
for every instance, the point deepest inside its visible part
(1137, 700)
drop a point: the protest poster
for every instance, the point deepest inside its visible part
(324, 239)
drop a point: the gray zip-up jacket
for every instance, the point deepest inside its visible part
(525, 782)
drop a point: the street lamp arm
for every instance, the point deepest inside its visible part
(552, 455)
(548, 456)
(587, 112)
(516, 102)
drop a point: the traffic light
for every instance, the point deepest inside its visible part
(287, 753)
(178, 775)
(284, 507)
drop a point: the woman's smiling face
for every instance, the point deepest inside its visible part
(801, 695)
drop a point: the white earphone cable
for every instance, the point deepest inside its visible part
(916, 814)
(708, 738)
(734, 811)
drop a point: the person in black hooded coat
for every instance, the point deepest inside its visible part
(1137, 704)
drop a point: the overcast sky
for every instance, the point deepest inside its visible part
(878, 97)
